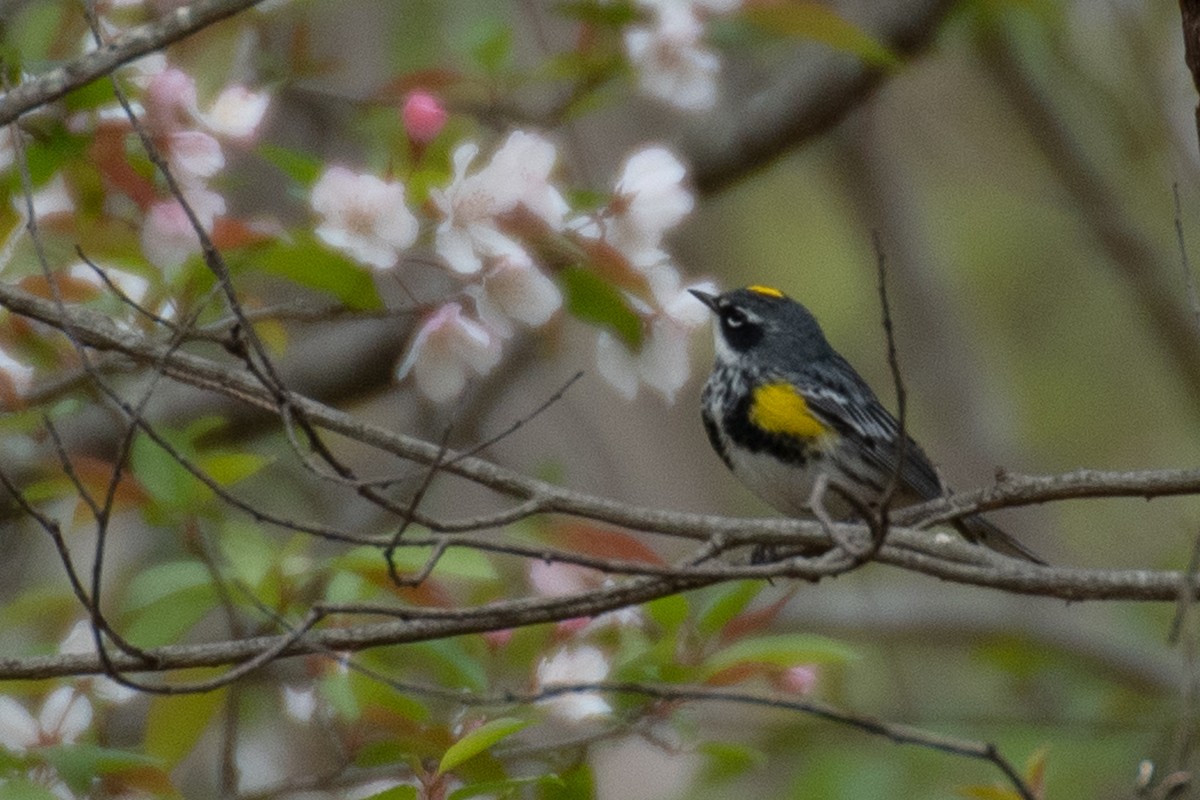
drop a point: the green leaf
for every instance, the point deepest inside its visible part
(161, 475)
(301, 167)
(669, 612)
(805, 19)
(479, 740)
(594, 300)
(250, 555)
(174, 723)
(493, 46)
(336, 689)
(229, 468)
(725, 604)
(615, 14)
(48, 153)
(985, 792)
(726, 760)
(153, 584)
(80, 764)
(307, 262)
(782, 650)
(25, 789)
(34, 28)
(165, 620)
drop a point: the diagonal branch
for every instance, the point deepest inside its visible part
(170, 27)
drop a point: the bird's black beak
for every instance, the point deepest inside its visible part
(709, 300)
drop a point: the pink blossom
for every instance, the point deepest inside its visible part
(170, 101)
(556, 579)
(424, 117)
(448, 347)
(194, 155)
(800, 679)
(363, 216)
(168, 237)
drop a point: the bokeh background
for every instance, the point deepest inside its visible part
(1019, 168)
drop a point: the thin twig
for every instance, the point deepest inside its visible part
(1189, 277)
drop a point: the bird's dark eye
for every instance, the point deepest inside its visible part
(733, 318)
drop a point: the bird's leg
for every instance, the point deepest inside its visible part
(816, 504)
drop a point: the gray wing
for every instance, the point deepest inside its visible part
(841, 399)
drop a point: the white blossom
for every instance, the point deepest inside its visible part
(363, 216)
(448, 347)
(574, 665)
(649, 199)
(65, 715)
(672, 62)
(50, 199)
(300, 702)
(133, 286)
(237, 112)
(18, 376)
(518, 174)
(515, 289)
(662, 363)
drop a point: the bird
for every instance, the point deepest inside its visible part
(797, 424)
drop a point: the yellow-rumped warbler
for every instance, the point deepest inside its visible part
(791, 418)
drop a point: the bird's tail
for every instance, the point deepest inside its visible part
(977, 529)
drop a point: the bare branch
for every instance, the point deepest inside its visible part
(170, 27)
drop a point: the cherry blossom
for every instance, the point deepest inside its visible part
(170, 101)
(15, 376)
(662, 363)
(193, 155)
(649, 200)
(236, 113)
(64, 717)
(672, 62)
(363, 216)
(132, 286)
(51, 199)
(300, 702)
(574, 665)
(447, 348)
(515, 289)
(168, 238)
(517, 175)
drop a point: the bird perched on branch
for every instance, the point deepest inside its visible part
(798, 425)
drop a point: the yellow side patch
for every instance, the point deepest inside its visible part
(765, 290)
(779, 408)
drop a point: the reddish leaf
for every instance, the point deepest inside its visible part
(586, 538)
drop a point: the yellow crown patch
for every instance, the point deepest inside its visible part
(765, 290)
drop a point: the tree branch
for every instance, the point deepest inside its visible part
(170, 27)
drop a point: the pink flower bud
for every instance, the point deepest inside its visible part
(424, 117)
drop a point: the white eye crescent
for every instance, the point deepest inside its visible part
(734, 318)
